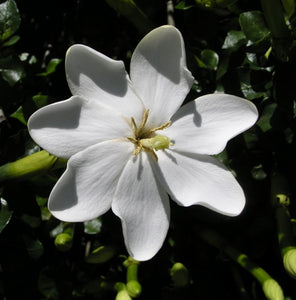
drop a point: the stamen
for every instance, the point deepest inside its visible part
(152, 152)
(144, 121)
(161, 127)
(135, 126)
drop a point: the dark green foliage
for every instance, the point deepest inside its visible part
(232, 48)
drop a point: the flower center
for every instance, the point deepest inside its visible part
(146, 139)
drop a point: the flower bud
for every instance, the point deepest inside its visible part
(134, 288)
(272, 290)
(123, 295)
(179, 274)
(63, 242)
(290, 262)
(100, 255)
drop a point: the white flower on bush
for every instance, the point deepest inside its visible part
(130, 144)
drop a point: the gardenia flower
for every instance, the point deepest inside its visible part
(130, 144)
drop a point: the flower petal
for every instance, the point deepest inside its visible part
(143, 208)
(67, 127)
(199, 179)
(205, 125)
(93, 75)
(86, 188)
(159, 73)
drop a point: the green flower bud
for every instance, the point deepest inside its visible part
(63, 242)
(32, 165)
(290, 262)
(123, 295)
(100, 255)
(134, 288)
(179, 274)
(272, 290)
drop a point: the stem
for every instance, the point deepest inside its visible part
(275, 20)
(133, 13)
(134, 288)
(280, 200)
(271, 288)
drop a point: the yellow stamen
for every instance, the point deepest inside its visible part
(147, 140)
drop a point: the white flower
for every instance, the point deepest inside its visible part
(130, 144)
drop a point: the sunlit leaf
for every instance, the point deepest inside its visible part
(51, 67)
(93, 226)
(9, 19)
(234, 40)
(19, 115)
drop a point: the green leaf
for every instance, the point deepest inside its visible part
(266, 115)
(93, 226)
(19, 115)
(210, 59)
(14, 39)
(51, 67)
(130, 10)
(40, 100)
(234, 40)
(289, 6)
(47, 284)
(34, 247)
(11, 70)
(182, 5)
(100, 255)
(5, 215)
(258, 172)
(9, 19)
(253, 25)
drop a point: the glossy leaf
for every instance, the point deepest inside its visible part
(234, 40)
(253, 25)
(11, 70)
(93, 226)
(51, 67)
(9, 19)
(5, 215)
(210, 59)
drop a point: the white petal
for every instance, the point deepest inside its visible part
(95, 76)
(67, 127)
(143, 208)
(199, 179)
(205, 125)
(159, 73)
(86, 189)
